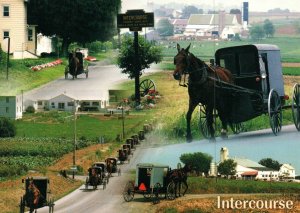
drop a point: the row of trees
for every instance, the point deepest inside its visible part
(258, 32)
(78, 21)
(200, 163)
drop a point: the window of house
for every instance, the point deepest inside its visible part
(7, 110)
(7, 99)
(6, 11)
(30, 35)
(61, 105)
(5, 34)
(70, 104)
(40, 103)
(52, 104)
(95, 104)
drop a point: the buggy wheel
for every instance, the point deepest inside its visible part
(203, 122)
(145, 86)
(146, 195)
(170, 193)
(296, 106)
(119, 172)
(275, 112)
(128, 192)
(236, 128)
(155, 193)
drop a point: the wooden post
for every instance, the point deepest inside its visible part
(137, 68)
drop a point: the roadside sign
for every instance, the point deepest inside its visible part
(135, 20)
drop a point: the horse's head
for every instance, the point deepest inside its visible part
(181, 62)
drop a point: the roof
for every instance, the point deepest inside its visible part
(249, 173)
(62, 95)
(247, 162)
(266, 47)
(288, 166)
(210, 19)
(180, 22)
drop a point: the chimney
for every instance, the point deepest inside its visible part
(224, 154)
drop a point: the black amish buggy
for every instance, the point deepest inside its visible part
(76, 65)
(112, 166)
(258, 87)
(96, 176)
(36, 194)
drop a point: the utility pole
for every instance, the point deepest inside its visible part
(74, 148)
(7, 63)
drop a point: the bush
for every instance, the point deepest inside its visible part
(7, 128)
(30, 109)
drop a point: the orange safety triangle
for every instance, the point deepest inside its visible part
(142, 187)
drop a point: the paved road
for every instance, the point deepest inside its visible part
(95, 87)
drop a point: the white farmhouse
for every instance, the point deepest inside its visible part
(286, 171)
(62, 103)
(13, 19)
(11, 107)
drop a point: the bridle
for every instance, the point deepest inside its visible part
(189, 70)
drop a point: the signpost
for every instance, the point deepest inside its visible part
(135, 20)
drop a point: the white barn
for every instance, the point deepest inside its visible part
(207, 25)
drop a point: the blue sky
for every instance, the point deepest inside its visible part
(254, 5)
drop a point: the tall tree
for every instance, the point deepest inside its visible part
(165, 28)
(199, 161)
(269, 28)
(188, 10)
(270, 163)
(227, 167)
(75, 20)
(257, 32)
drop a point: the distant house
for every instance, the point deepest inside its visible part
(286, 171)
(62, 103)
(209, 25)
(179, 25)
(13, 19)
(11, 107)
(177, 13)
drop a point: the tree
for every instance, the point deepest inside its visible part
(199, 161)
(165, 28)
(257, 32)
(227, 167)
(269, 28)
(188, 10)
(235, 11)
(75, 21)
(270, 163)
(7, 128)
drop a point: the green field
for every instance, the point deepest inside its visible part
(198, 185)
(289, 47)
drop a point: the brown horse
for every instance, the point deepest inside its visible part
(74, 65)
(179, 176)
(201, 88)
(33, 197)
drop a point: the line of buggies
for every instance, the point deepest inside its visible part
(127, 149)
(100, 172)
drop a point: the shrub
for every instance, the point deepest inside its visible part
(7, 128)
(30, 109)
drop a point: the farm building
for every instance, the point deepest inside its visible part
(286, 171)
(179, 25)
(208, 25)
(250, 170)
(11, 107)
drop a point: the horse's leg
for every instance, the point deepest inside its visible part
(192, 106)
(224, 125)
(210, 121)
(186, 187)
